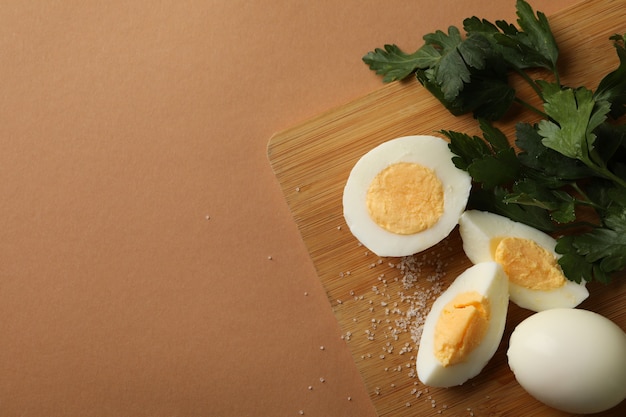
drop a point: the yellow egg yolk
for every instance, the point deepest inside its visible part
(527, 264)
(461, 327)
(405, 198)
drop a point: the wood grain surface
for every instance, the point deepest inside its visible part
(380, 303)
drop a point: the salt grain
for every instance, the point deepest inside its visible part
(419, 279)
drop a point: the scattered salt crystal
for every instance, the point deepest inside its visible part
(419, 279)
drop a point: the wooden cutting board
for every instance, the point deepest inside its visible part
(380, 303)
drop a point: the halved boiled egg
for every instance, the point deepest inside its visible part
(527, 255)
(464, 327)
(405, 195)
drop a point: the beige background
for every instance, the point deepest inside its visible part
(149, 265)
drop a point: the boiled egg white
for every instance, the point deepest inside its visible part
(405, 195)
(571, 359)
(536, 281)
(464, 327)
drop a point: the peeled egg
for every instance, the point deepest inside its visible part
(405, 195)
(464, 327)
(536, 281)
(573, 360)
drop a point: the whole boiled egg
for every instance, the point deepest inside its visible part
(536, 281)
(405, 195)
(571, 359)
(464, 327)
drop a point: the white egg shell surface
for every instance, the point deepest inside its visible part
(478, 228)
(487, 279)
(573, 360)
(429, 151)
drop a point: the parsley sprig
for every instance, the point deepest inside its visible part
(570, 165)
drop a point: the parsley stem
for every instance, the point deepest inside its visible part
(588, 203)
(609, 175)
(529, 80)
(557, 78)
(531, 107)
(595, 163)
(574, 225)
(579, 190)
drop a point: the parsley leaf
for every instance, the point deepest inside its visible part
(549, 166)
(602, 248)
(451, 71)
(537, 36)
(488, 94)
(491, 161)
(470, 74)
(494, 200)
(394, 64)
(612, 87)
(576, 114)
(517, 48)
(575, 267)
(558, 203)
(576, 117)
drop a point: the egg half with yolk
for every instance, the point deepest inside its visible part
(405, 195)
(464, 327)
(527, 255)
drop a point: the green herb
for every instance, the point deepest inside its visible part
(570, 165)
